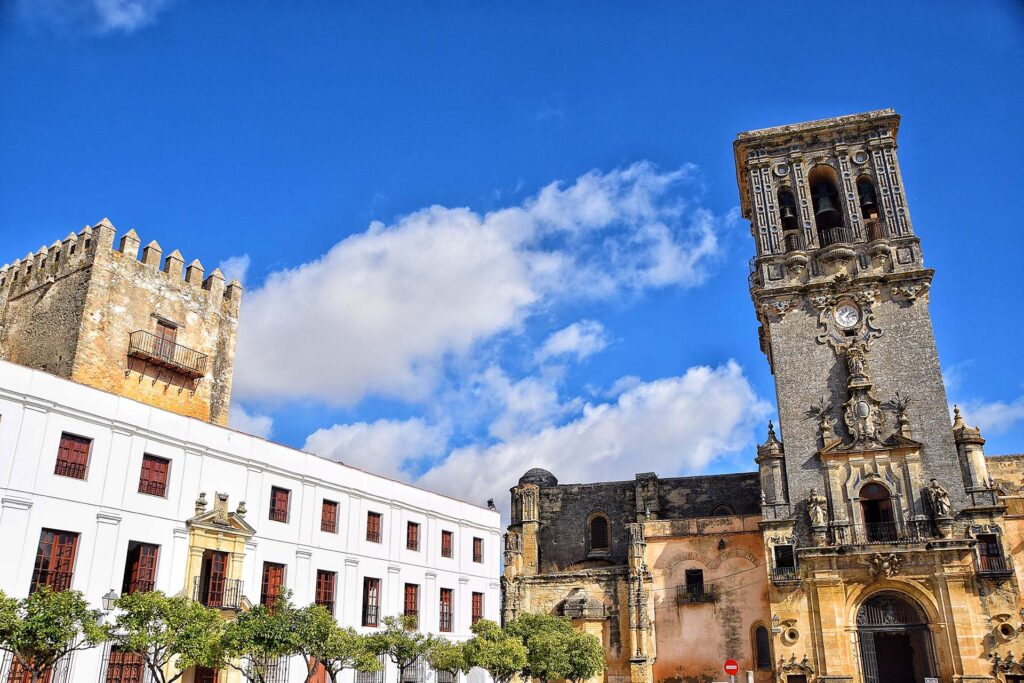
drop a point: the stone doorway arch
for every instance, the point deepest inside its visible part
(894, 639)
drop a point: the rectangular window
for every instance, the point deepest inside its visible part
(325, 583)
(990, 558)
(279, 504)
(694, 577)
(166, 334)
(478, 607)
(445, 615)
(478, 550)
(19, 674)
(371, 601)
(412, 536)
(55, 560)
(329, 517)
(213, 589)
(373, 524)
(273, 580)
(140, 569)
(73, 456)
(153, 480)
(412, 602)
(124, 667)
(784, 557)
(446, 544)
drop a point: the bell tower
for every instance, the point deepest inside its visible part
(841, 293)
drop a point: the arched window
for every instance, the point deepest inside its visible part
(867, 198)
(828, 216)
(722, 510)
(876, 506)
(599, 536)
(762, 649)
(790, 221)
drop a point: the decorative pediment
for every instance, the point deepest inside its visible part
(893, 443)
(219, 519)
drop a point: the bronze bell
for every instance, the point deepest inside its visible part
(868, 202)
(823, 207)
(787, 212)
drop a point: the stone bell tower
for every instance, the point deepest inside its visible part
(841, 292)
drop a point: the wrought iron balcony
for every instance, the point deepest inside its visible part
(785, 575)
(994, 566)
(166, 354)
(882, 533)
(53, 579)
(217, 591)
(837, 235)
(696, 592)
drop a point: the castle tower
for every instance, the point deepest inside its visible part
(150, 329)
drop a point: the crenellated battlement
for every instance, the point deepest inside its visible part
(87, 247)
(143, 325)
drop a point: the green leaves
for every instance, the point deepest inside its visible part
(449, 657)
(162, 628)
(319, 639)
(401, 643)
(501, 654)
(555, 649)
(256, 640)
(46, 626)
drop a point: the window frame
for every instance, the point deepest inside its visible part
(411, 590)
(476, 607)
(599, 516)
(332, 505)
(374, 527)
(371, 607)
(147, 483)
(267, 598)
(447, 543)
(326, 587)
(446, 611)
(478, 550)
(71, 465)
(275, 514)
(141, 558)
(412, 536)
(55, 553)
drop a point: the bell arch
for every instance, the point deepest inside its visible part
(827, 206)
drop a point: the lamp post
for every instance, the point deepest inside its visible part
(108, 601)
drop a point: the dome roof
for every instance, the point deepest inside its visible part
(538, 476)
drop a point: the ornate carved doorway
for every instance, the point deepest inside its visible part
(895, 643)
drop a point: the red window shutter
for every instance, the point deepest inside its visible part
(412, 536)
(373, 525)
(412, 600)
(73, 456)
(55, 559)
(325, 585)
(153, 480)
(445, 621)
(124, 667)
(273, 579)
(478, 550)
(329, 517)
(143, 576)
(279, 504)
(478, 607)
(371, 601)
(446, 544)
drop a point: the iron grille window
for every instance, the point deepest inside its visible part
(279, 504)
(276, 671)
(329, 517)
(273, 579)
(412, 602)
(140, 569)
(412, 536)
(373, 525)
(478, 550)
(444, 676)
(325, 584)
(371, 601)
(990, 556)
(446, 544)
(73, 456)
(414, 673)
(55, 560)
(124, 667)
(478, 607)
(445, 615)
(153, 479)
(599, 533)
(372, 676)
(12, 671)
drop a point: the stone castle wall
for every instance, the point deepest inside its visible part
(69, 309)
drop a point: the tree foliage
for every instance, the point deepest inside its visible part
(321, 642)
(499, 653)
(163, 629)
(256, 641)
(555, 650)
(46, 626)
(448, 657)
(401, 643)
(585, 656)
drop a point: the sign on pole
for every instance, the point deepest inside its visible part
(731, 667)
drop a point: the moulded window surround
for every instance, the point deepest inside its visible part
(373, 526)
(154, 475)
(447, 544)
(598, 533)
(478, 550)
(73, 456)
(279, 500)
(329, 517)
(722, 510)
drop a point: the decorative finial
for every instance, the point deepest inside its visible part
(491, 505)
(958, 420)
(201, 503)
(240, 511)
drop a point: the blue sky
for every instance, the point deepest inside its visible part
(478, 237)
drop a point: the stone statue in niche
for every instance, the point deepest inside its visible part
(938, 500)
(817, 508)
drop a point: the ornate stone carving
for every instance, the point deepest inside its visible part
(821, 411)
(220, 509)
(792, 666)
(862, 412)
(835, 335)
(513, 547)
(938, 500)
(911, 292)
(887, 565)
(817, 508)
(201, 503)
(899, 404)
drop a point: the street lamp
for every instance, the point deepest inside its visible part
(108, 601)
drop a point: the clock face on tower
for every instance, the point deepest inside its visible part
(846, 315)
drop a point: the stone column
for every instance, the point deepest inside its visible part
(100, 567)
(173, 572)
(352, 596)
(428, 603)
(16, 570)
(391, 604)
(302, 581)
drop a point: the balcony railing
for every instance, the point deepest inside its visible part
(696, 592)
(881, 533)
(994, 566)
(70, 468)
(52, 578)
(141, 586)
(785, 575)
(217, 591)
(445, 621)
(837, 235)
(370, 615)
(159, 351)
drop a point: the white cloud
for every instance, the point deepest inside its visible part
(581, 339)
(386, 446)
(251, 423)
(993, 417)
(383, 311)
(520, 406)
(235, 268)
(677, 425)
(93, 16)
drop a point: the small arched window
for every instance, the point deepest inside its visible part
(867, 197)
(599, 536)
(762, 649)
(722, 510)
(790, 222)
(828, 216)
(879, 518)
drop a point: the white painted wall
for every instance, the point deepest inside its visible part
(108, 512)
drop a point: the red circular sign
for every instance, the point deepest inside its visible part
(731, 667)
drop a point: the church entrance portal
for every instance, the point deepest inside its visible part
(895, 643)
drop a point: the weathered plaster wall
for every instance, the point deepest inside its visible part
(695, 639)
(564, 510)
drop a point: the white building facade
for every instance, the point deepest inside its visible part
(100, 492)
